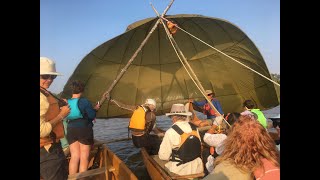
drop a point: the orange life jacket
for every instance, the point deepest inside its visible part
(138, 120)
(58, 131)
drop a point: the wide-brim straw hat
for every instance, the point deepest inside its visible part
(47, 66)
(179, 110)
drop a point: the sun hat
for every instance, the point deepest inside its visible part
(208, 92)
(275, 117)
(178, 109)
(151, 101)
(47, 66)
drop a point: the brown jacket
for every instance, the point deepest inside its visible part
(53, 110)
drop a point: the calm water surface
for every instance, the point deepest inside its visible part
(115, 132)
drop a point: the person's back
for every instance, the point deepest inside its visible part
(228, 171)
(172, 140)
(142, 122)
(79, 131)
(268, 172)
(189, 147)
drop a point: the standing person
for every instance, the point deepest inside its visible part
(248, 152)
(142, 122)
(53, 163)
(183, 153)
(79, 130)
(249, 106)
(207, 110)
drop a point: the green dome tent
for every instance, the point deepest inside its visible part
(156, 72)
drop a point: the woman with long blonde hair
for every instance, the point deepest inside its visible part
(248, 151)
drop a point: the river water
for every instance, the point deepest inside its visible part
(115, 132)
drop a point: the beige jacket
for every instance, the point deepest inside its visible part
(170, 141)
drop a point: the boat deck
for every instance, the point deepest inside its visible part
(161, 163)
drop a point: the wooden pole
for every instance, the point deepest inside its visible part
(106, 94)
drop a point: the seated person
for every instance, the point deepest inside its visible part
(215, 140)
(142, 123)
(249, 152)
(182, 152)
(249, 107)
(207, 109)
(276, 125)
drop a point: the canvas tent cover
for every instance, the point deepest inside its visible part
(157, 72)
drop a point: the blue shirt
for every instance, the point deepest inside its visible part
(215, 103)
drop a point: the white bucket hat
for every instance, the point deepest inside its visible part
(151, 101)
(47, 66)
(208, 92)
(178, 109)
(275, 117)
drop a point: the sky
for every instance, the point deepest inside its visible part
(71, 29)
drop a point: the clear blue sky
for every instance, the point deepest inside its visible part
(71, 29)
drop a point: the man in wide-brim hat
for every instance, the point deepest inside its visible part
(172, 140)
(53, 163)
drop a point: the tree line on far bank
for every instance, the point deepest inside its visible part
(275, 77)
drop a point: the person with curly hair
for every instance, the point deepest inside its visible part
(249, 152)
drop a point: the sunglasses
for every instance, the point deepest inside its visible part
(47, 76)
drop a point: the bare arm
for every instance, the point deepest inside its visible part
(122, 105)
(212, 129)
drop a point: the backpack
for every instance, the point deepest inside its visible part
(75, 112)
(189, 148)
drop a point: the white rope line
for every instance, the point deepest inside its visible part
(197, 85)
(225, 54)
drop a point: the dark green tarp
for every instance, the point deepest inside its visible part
(157, 72)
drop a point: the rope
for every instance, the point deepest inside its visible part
(111, 100)
(198, 84)
(225, 54)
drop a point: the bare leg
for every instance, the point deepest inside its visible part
(84, 157)
(75, 157)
